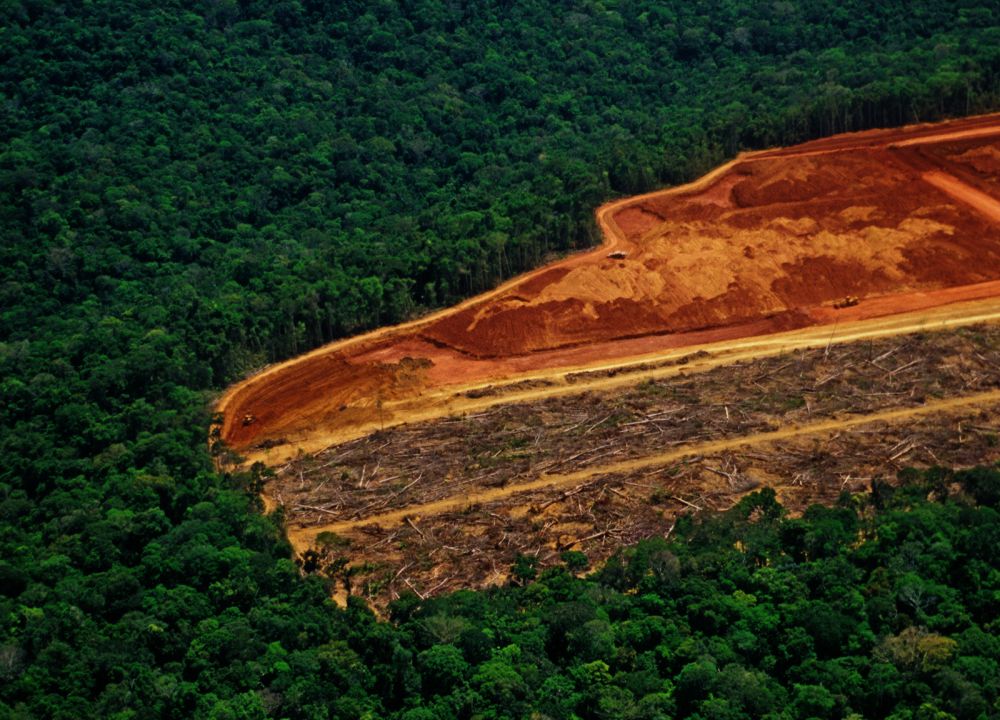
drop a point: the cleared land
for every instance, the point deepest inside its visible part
(591, 403)
(451, 502)
(906, 220)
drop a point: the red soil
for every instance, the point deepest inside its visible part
(974, 161)
(766, 243)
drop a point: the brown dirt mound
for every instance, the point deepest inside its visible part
(984, 158)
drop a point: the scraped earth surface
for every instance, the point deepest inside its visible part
(594, 401)
(902, 219)
(770, 239)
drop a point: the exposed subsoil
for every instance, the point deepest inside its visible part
(764, 244)
(769, 239)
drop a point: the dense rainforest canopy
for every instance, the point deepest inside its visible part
(188, 191)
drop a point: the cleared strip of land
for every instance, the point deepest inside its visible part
(517, 442)
(609, 375)
(473, 544)
(593, 470)
(556, 481)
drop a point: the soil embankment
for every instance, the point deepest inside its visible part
(902, 219)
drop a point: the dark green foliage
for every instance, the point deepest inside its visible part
(779, 637)
(982, 484)
(524, 568)
(190, 191)
(575, 560)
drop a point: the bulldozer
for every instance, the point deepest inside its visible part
(849, 301)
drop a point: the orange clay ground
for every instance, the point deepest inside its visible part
(906, 220)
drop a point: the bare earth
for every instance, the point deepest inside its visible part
(588, 404)
(906, 220)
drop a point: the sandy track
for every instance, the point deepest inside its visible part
(972, 197)
(311, 428)
(304, 537)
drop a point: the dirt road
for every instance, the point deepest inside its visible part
(975, 199)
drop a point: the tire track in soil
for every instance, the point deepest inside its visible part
(302, 537)
(955, 188)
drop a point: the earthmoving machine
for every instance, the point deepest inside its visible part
(618, 255)
(248, 420)
(849, 301)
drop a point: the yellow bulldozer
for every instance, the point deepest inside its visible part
(849, 301)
